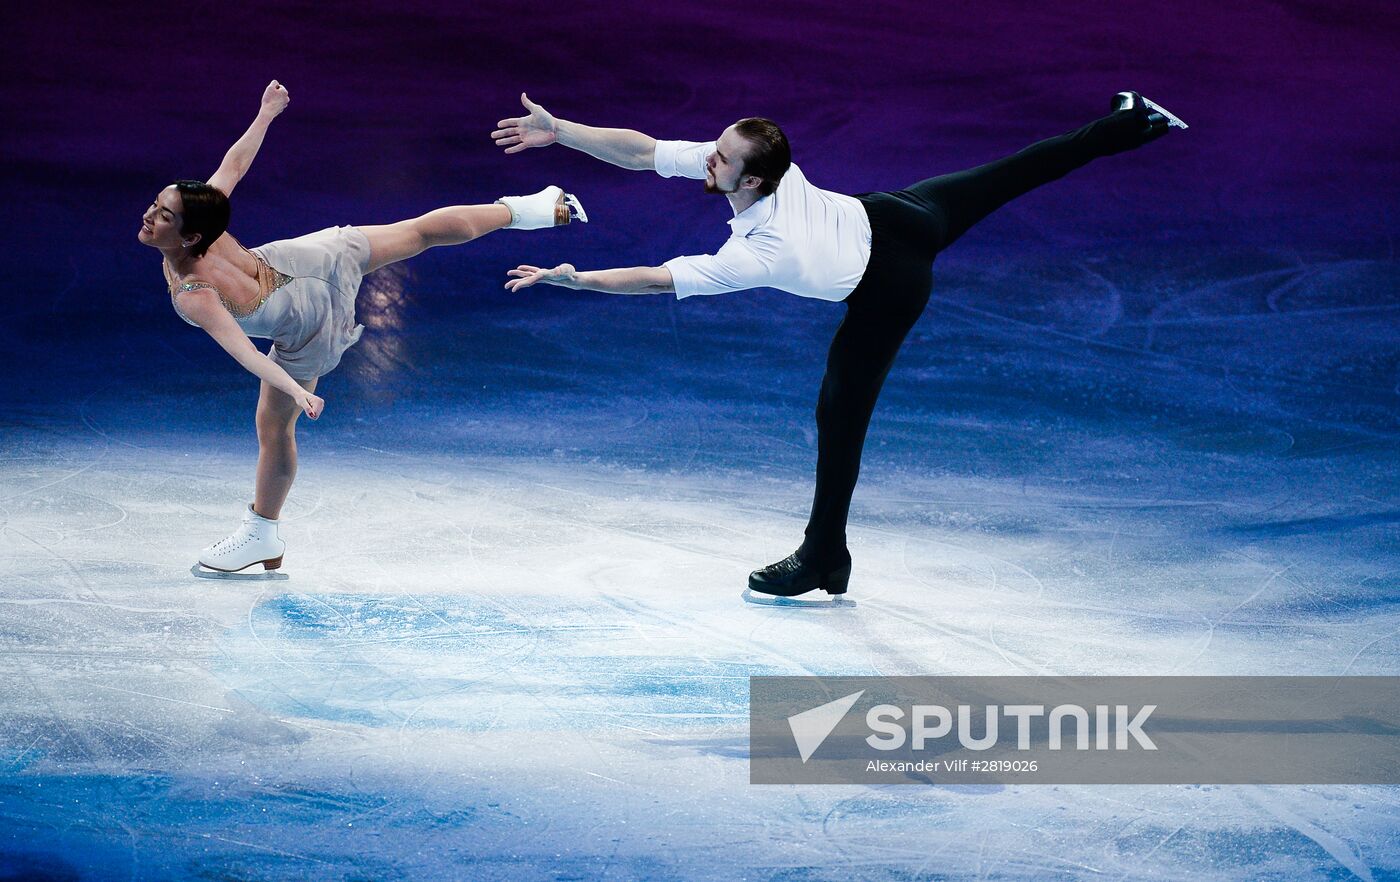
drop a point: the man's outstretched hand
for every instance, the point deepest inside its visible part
(525, 275)
(536, 130)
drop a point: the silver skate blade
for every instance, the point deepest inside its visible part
(575, 207)
(200, 572)
(1172, 119)
(837, 601)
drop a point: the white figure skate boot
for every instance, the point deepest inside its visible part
(551, 207)
(254, 542)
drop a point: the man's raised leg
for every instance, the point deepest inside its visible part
(964, 198)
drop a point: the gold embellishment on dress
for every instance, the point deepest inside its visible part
(269, 280)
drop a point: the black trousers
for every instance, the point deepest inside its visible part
(909, 228)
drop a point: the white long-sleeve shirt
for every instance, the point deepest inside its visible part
(800, 238)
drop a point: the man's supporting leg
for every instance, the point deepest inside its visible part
(860, 358)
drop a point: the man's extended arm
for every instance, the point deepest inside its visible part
(621, 147)
(739, 265)
(631, 280)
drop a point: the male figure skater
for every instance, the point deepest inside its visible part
(874, 252)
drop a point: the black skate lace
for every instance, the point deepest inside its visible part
(790, 564)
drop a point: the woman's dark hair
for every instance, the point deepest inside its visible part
(205, 211)
(769, 153)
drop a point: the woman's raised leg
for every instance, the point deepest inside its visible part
(390, 243)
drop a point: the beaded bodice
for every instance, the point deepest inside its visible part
(269, 280)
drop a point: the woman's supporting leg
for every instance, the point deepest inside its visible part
(964, 198)
(390, 243)
(277, 449)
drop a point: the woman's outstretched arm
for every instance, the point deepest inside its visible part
(240, 156)
(203, 307)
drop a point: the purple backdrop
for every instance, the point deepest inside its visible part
(1290, 150)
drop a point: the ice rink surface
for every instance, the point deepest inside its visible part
(1147, 426)
(512, 639)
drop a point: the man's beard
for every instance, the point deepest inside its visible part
(714, 188)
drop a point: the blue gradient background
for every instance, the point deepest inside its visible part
(1209, 323)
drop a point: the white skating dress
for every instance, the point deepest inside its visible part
(307, 307)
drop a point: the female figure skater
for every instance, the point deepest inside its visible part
(300, 293)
